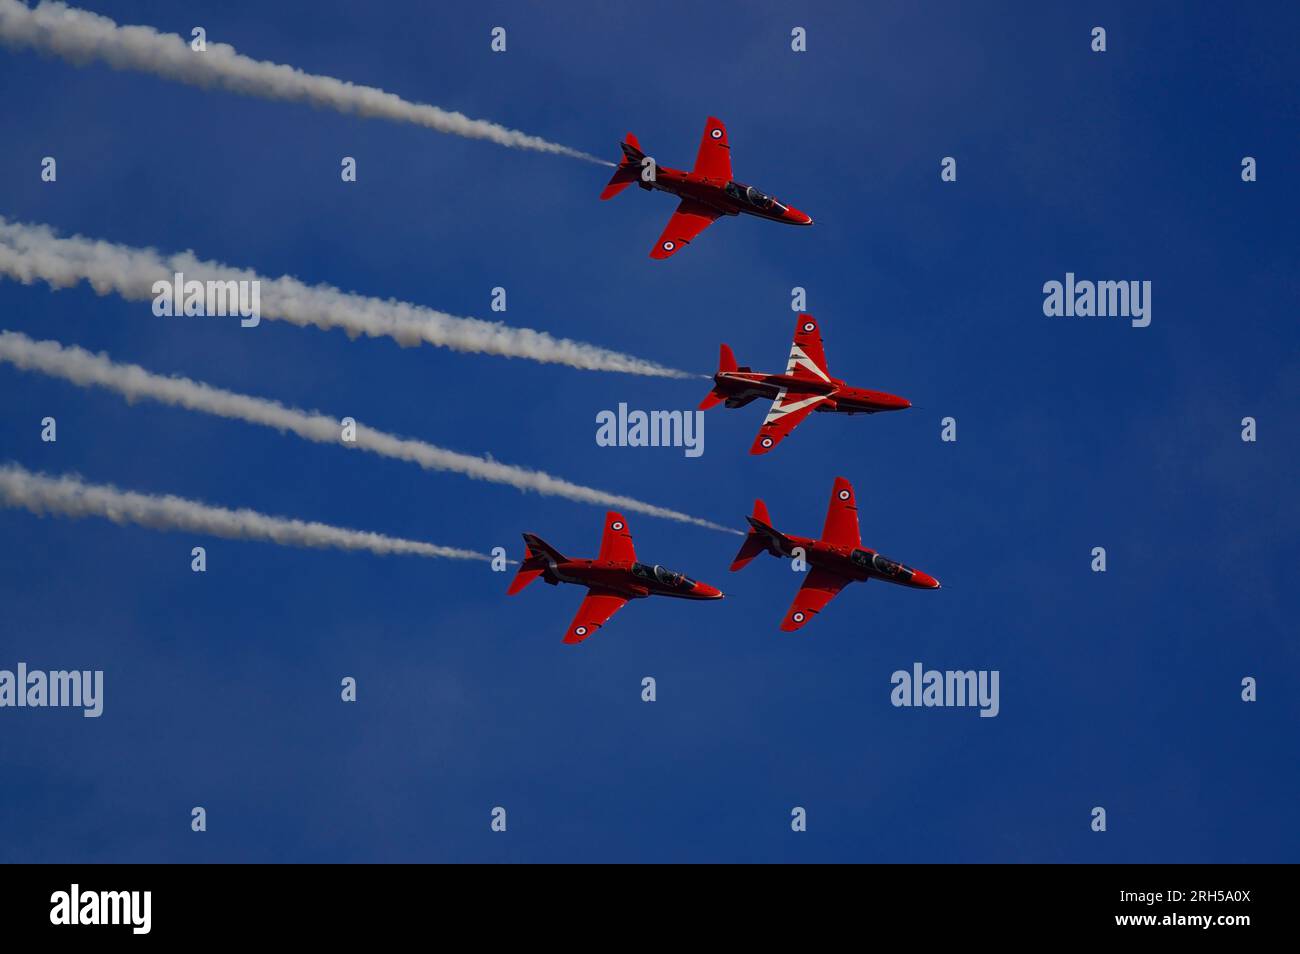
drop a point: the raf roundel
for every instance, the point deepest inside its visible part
(845, 495)
(767, 442)
(616, 525)
(716, 133)
(809, 326)
(798, 617)
(581, 631)
(669, 246)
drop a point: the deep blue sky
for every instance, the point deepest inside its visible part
(1119, 690)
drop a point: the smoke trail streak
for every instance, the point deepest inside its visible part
(71, 497)
(80, 36)
(133, 382)
(30, 253)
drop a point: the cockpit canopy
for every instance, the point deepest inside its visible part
(663, 576)
(751, 196)
(882, 565)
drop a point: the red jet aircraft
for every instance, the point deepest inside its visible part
(835, 560)
(707, 192)
(805, 387)
(612, 579)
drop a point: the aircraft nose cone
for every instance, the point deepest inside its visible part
(703, 591)
(887, 402)
(798, 218)
(924, 580)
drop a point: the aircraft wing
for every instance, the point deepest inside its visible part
(714, 158)
(595, 611)
(616, 540)
(807, 357)
(842, 516)
(819, 588)
(788, 410)
(690, 219)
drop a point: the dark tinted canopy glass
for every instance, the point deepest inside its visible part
(662, 575)
(746, 193)
(887, 567)
(881, 564)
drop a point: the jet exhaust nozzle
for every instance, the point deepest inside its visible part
(759, 538)
(629, 168)
(726, 362)
(538, 555)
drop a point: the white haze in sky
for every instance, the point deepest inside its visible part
(83, 368)
(80, 37)
(31, 253)
(69, 496)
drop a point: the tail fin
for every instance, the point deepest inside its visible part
(632, 149)
(538, 557)
(628, 169)
(758, 539)
(726, 362)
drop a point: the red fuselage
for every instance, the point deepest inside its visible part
(856, 563)
(743, 386)
(630, 579)
(726, 196)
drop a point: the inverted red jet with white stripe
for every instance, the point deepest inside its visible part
(834, 561)
(708, 192)
(613, 578)
(805, 387)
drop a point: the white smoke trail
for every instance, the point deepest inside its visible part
(30, 253)
(83, 368)
(71, 497)
(80, 36)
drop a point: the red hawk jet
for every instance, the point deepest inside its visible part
(834, 561)
(708, 191)
(612, 579)
(805, 387)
